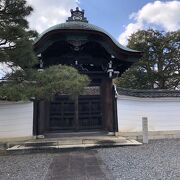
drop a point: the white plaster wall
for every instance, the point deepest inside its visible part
(163, 113)
(16, 119)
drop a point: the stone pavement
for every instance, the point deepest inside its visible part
(82, 165)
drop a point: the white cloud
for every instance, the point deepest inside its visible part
(77, 2)
(50, 12)
(163, 14)
(4, 69)
(129, 29)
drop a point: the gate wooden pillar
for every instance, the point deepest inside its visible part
(107, 104)
(41, 117)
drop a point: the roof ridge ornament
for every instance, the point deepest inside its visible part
(77, 15)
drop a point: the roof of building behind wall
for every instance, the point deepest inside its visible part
(148, 93)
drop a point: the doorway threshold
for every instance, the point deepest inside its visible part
(77, 134)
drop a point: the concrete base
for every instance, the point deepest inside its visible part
(16, 139)
(151, 134)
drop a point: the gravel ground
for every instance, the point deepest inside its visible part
(159, 160)
(24, 167)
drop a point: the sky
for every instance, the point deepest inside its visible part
(120, 18)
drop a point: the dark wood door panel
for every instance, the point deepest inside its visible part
(63, 117)
(61, 114)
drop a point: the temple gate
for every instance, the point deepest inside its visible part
(93, 52)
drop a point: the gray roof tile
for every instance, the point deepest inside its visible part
(148, 93)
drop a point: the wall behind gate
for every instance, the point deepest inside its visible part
(16, 119)
(163, 113)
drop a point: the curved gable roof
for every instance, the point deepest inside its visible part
(77, 25)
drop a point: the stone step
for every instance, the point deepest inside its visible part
(56, 146)
(73, 142)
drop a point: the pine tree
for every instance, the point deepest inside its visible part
(16, 50)
(160, 65)
(15, 36)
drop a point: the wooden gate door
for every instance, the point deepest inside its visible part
(63, 116)
(90, 115)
